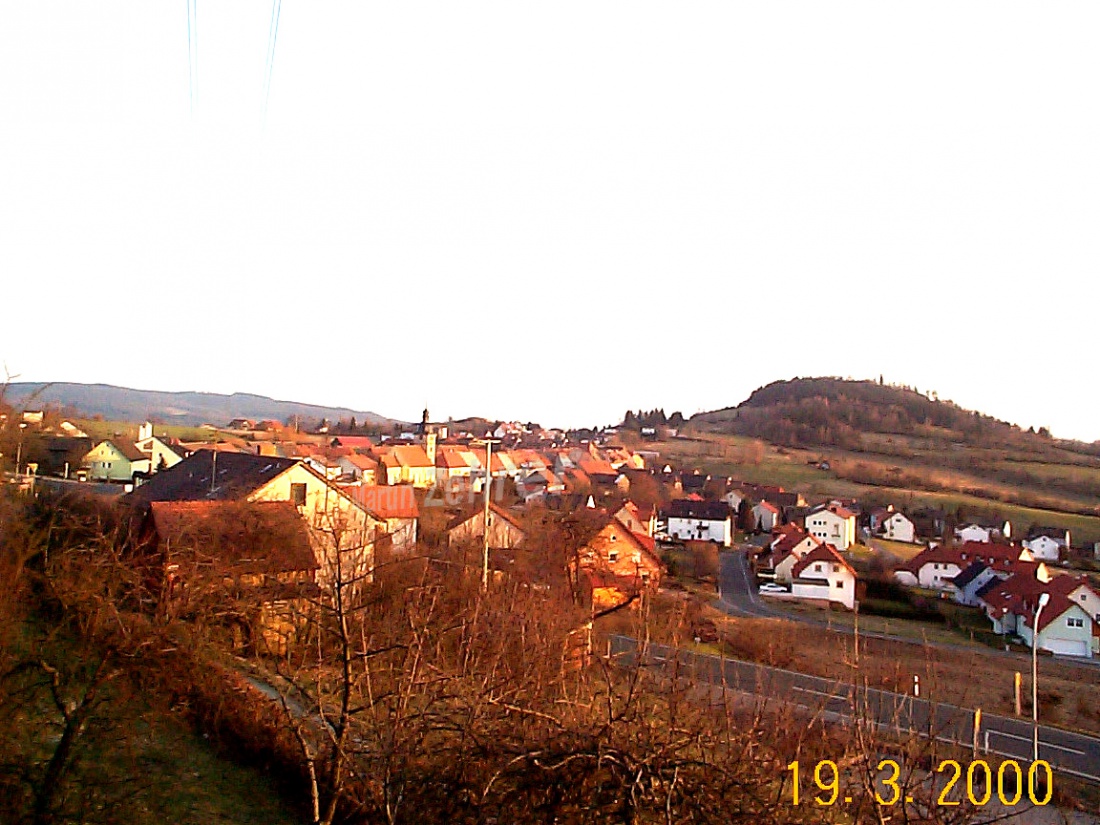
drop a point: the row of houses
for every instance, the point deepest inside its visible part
(1006, 581)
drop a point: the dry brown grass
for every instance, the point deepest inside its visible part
(1069, 695)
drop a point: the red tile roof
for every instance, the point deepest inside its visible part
(1054, 610)
(823, 552)
(386, 501)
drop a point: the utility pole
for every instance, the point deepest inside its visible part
(488, 442)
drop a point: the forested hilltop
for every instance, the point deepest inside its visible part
(835, 412)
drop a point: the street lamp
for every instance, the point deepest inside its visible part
(1043, 599)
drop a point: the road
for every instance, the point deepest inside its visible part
(1069, 753)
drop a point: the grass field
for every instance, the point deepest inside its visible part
(99, 430)
(899, 549)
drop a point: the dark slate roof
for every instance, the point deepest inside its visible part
(238, 475)
(705, 510)
(989, 586)
(968, 575)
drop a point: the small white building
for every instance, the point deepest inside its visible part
(899, 528)
(766, 516)
(1045, 547)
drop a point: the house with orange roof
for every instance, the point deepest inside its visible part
(1078, 589)
(834, 524)
(616, 566)
(395, 506)
(789, 552)
(538, 484)
(937, 567)
(766, 516)
(639, 520)
(825, 575)
(358, 467)
(407, 464)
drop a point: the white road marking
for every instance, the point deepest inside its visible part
(1042, 744)
(820, 692)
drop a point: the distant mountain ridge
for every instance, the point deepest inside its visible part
(191, 408)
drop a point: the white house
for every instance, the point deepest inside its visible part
(833, 524)
(789, 553)
(1078, 590)
(897, 527)
(824, 574)
(766, 516)
(161, 455)
(972, 532)
(1044, 547)
(700, 520)
(1047, 544)
(1064, 628)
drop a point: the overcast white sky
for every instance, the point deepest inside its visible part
(642, 204)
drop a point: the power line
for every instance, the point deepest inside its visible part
(272, 37)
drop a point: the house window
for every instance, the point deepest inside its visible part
(298, 494)
(817, 567)
(612, 555)
(1075, 622)
(840, 584)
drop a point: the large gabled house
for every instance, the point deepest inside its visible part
(252, 565)
(700, 520)
(341, 531)
(825, 575)
(615, 566)
(937, 567)
(833, 523)
(1064, 628)
(788, 551)
(115, 459)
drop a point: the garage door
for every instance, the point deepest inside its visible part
(1067, 647)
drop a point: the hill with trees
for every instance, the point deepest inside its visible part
(835, 412)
